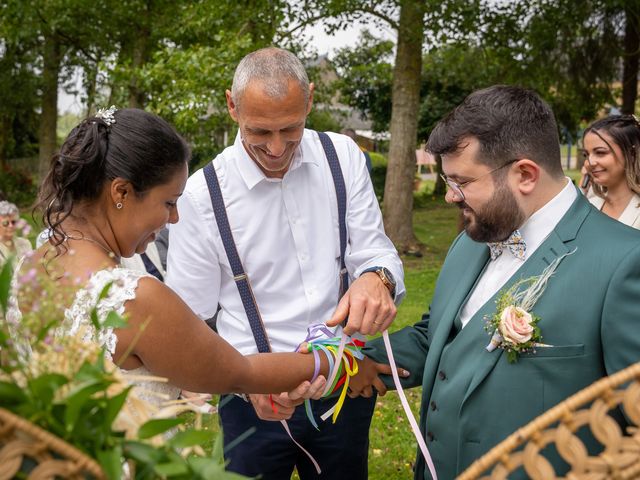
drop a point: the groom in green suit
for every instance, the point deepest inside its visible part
(501, 159)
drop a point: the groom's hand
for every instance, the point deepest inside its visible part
(368, 305)
(285, 403)
(368, 378)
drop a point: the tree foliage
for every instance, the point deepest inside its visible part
(365, 76)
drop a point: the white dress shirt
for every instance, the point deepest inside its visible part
(534, 232)
(286, 233)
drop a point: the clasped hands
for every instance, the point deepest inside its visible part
(370, 309)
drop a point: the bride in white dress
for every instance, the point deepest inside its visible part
(112, 187)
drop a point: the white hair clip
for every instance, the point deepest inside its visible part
(106, 114)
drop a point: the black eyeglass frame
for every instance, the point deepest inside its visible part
(457, 187)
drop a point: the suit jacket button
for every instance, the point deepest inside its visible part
(441, 375)
(433, 405)
(430, 436)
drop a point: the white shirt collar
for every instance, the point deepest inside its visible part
(539, 225)
(251, 173)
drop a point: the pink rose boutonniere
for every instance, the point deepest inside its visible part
(513, 329)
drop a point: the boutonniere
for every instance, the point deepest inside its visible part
(514, 327)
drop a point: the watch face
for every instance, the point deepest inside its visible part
(389, 276)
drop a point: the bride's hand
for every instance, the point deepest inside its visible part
(308, 390)
(285, 403)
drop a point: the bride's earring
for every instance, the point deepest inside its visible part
(119, 205)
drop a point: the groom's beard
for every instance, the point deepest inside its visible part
(496, 220)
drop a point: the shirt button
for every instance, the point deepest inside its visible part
(442, 375)
(433, 405)
(430, 436)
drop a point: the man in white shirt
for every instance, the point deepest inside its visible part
(281, 204)
(522, 217)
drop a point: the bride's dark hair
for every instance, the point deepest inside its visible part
(138, 146)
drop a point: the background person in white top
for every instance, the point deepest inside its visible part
(612, 161)
(281, 203)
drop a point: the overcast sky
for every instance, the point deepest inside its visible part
(323, 43)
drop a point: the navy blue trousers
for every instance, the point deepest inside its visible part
(341, 449)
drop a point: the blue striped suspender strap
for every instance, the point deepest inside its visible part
(341, 195)
(239, 275)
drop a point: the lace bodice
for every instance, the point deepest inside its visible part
(123, 288)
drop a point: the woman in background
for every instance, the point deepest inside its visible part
(611, 152)
(10, 244)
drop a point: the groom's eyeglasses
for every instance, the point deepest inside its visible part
(456, 187)
(6, 223)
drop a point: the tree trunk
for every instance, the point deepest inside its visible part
(139, 56)
(631, 57)
(49, 115)
(91, 80)
(398, 194)
(6, 131)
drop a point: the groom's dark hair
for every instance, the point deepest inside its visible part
(509, 122)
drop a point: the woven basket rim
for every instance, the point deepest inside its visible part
(525, 433)
(64, 449)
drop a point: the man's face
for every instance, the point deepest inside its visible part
(271, 128)
(490, 210)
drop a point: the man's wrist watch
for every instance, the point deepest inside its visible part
(386, 277)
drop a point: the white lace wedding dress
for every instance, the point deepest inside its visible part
(123, 288)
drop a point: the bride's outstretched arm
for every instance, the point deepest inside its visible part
(171, 341)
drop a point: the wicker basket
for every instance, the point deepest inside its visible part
(589, 408)
(23, 443)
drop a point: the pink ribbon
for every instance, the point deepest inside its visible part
(407, 410)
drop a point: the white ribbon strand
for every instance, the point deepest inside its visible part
(407, 409)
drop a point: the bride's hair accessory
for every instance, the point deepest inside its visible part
(107, 114)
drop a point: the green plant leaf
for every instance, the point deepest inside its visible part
(143, 453)
(217, 452)
(111, 462)
(43, 388)
(172, 469)
(210, 470)
(191, 437)
(5, 283)
(76, 401)
(157, 426)
(114, 320)
(10, 393)
(114, 405)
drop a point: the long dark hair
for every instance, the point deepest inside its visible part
(624, 130)
(138, 146)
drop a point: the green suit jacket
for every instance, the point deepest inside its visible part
(589, 313)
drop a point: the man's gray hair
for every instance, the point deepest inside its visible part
(274, 67)
(8, 208)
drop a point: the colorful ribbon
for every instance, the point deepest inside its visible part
(346, 354)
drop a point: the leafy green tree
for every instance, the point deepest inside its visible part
(365, 77)
(55, 33)
(187, 62)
